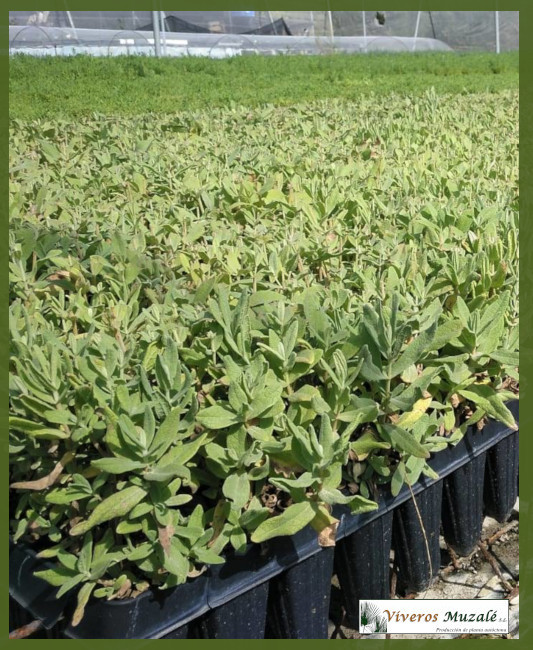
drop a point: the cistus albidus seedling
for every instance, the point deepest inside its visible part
(213, 347)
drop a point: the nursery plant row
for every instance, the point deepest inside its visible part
(283, 589)
(226, 325)
(133, 85)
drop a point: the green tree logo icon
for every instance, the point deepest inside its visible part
(371, 619)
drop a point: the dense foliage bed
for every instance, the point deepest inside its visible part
(224, 322)
(71, 87)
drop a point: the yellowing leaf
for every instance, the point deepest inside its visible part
(409, 419)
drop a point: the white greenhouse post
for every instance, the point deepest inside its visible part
(271, 19)
(364, 27)
(312, 30)
(330, 21)
(69, 16)
(416, 28)
(497, 28)
(157, 35)
(163, 35)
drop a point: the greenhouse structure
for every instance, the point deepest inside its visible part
(226, 33)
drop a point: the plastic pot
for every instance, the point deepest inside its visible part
(156, 614)
(19, 617)
(30, 597)
(501, 479)
(462, 506)
(241, 618)
(416, 539)
(298, 604)
(501, 473)
(362, 565)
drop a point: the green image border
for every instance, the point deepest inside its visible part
(526, 182)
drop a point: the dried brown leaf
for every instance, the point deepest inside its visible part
(59, 275)
(353, 487)
(327, 535)
(123, 592)
(165, 534)
(194, 573)
(48, 480)
(455, 400)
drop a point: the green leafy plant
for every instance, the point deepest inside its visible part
(215, 353)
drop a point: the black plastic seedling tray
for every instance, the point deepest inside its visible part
(243, 617)
(164, 614)
(416, 539)
(462, 506)
(362, 565)
(501, 478)
(298, 605)
(281, 588)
